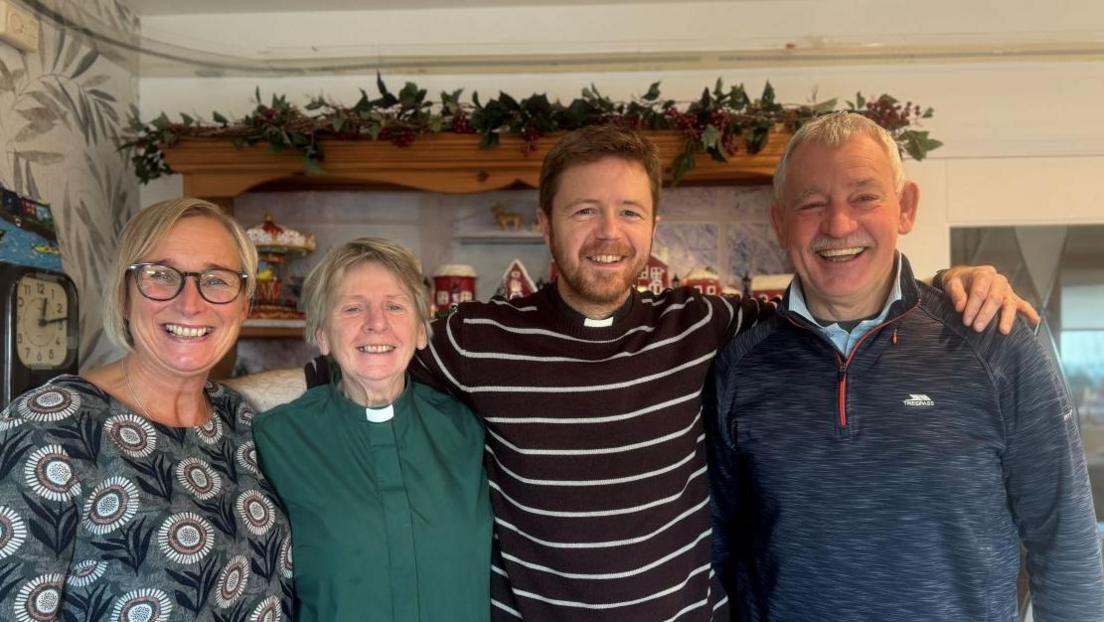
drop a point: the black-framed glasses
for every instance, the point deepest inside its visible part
(160, 282)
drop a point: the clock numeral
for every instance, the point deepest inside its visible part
(19, 302)
(50, 354)
(56, 342)
(42, 288)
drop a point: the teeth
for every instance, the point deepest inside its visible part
(185, 331)
(376, 349)
(841, 253)
(605, 258)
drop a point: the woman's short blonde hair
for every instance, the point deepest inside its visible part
(144, 231)
(321, 285)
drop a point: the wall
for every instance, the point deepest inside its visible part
(61, 110)
(1023, 139)
(726, 229)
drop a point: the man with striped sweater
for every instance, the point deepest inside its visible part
(591, 393)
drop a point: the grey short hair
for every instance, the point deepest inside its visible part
(834, 130)
(144, 231)
(321, 285)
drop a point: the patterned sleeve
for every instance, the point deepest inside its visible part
(40, 497)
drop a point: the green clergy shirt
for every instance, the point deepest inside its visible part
(389, 521)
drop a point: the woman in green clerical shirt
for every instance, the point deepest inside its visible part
(382, 477)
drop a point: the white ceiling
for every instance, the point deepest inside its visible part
(199, 7)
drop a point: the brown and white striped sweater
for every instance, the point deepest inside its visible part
(595, 450)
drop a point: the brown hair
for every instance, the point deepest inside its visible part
(593, 143)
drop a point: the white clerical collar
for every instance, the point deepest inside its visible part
(382, 414)
(603, 323)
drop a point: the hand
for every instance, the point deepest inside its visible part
(978, 292)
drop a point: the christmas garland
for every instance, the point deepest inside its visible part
(717, 123)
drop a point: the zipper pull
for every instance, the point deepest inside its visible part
(894, 335)
(842, 372)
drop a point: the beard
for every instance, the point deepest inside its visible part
(593, 286)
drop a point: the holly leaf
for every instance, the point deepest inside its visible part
(711, 141)
(411, 96)
(917, 143)
(508, 102)
(824, 106)
(683, 164)
(386, 99)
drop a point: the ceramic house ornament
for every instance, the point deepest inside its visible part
(275, 244)
(705, 280)
(655, 276)
(516, 282)
(453, 284)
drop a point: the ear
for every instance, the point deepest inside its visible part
(777, 218)
(545, 226)
(910, 200)
(323, 343)
(423, 339)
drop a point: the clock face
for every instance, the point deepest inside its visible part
(41, 323)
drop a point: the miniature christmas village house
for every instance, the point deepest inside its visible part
(705, 280)
(453, 284)
(516, 282)
(653, 277)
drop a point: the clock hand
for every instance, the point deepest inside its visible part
(44, 322)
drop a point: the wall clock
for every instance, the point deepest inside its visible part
(40, 320)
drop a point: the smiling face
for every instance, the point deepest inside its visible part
(372, 332)
(186, 336)
(838, 219)
(600, 233)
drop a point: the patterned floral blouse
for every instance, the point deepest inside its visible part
(105, 515)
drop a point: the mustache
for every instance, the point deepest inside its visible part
(824, 243)
(608, 249)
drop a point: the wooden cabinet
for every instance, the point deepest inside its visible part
(449, 163)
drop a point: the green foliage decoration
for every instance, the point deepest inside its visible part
(719, 123)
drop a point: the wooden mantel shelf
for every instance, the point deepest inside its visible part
(449, 163)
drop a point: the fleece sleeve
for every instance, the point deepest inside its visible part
(1048, 486)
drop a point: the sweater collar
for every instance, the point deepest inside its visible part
(578, 319)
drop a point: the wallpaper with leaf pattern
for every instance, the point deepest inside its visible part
(62, 110)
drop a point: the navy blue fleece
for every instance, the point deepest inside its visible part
(905, 496)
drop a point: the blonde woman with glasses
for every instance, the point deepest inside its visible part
(133, 490)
